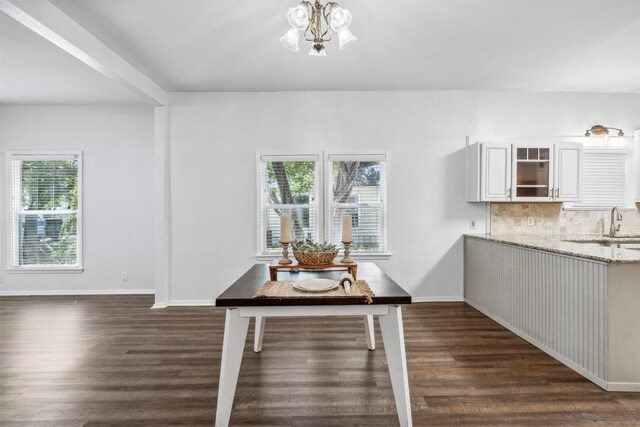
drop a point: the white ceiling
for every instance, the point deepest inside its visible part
(34, 71)
(233, 45)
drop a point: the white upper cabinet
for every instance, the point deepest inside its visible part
(496, 177)
(533, 172)
(532, 178)
(568, 172)
(489, 172)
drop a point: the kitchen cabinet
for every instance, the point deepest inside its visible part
(567, 172)
(533, 172)
(532, 177)
(489, 172)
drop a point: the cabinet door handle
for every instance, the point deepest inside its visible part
(509, 193)
(551, 193)
(557, 193)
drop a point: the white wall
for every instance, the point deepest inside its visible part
(214, 138)
(117, 144)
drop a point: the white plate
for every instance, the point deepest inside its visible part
(315, 285)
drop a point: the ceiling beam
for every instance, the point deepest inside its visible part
(46, 20)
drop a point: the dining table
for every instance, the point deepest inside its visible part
(242, 304)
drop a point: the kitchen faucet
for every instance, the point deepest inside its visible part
(615, 216)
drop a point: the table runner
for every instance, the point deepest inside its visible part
(284, 289)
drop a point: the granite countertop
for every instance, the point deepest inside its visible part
(582, 245)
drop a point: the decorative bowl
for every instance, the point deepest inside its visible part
(314, 258)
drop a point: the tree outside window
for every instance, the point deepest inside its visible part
(356, 188)
(45, 201)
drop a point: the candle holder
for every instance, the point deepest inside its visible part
(285, 254)
(347, 252)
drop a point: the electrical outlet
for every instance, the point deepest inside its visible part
(125, 276)
(472, 224)
(531, 221)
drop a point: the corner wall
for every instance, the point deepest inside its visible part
(118, 154)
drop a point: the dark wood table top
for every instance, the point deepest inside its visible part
(241, 293)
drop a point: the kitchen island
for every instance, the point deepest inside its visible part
(575, 297)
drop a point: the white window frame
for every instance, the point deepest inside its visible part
(323, 183)
(331, 157)
(625, 146)
(261, 221)
(12, 266)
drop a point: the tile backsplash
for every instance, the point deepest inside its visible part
(551, 218)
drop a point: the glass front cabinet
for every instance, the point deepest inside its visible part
(533, 172)
(546, 172)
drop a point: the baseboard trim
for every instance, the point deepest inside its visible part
(159, 305)
(560, 358)
(626, 387)
(438, 299)
(78, 292)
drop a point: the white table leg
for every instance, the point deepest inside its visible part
(393, 338)
(235, 336)
(259, 333)
(368, 328)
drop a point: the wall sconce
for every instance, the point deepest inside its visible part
(598, 130)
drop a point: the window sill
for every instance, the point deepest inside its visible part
(44, 270)
(372, 256)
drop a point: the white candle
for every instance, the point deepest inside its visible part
(346, 228)
(285, 228)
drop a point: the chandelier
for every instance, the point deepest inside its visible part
(318, 23)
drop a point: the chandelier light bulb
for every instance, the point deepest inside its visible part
(290, 40)
(298, 18)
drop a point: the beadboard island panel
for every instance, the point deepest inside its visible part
(578, 310)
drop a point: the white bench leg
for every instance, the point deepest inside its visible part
(368, 328)
(259, 333)
(235, 336)
(393, 338)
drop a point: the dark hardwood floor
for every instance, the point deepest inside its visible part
(72, 361)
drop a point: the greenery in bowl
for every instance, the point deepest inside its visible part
(308, 246)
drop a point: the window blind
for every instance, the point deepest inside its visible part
(604, 180)
(45, 214)
(287, 184)
(357, 187)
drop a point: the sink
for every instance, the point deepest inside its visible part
(627, 244)
(622, 242)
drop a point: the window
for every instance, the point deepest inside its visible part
(354, 211)
(287, 184)
(605, 180)
(351, 185)
(45, 211)
(357, 188)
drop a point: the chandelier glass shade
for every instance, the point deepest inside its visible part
(318, 23)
